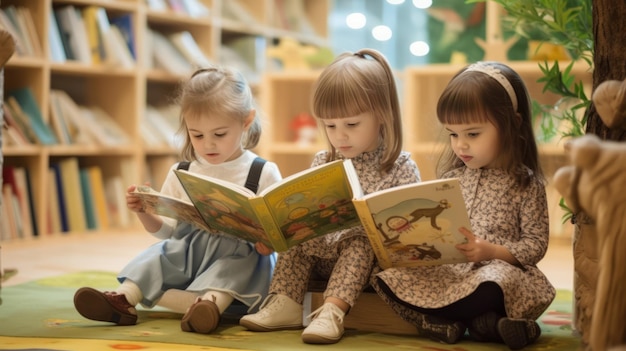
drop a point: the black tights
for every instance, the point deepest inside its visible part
(487, 297)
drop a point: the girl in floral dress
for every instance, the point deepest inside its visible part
(500, 293)
(356, 104)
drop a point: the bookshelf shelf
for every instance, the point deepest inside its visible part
(91, 150)
(30, 150)
(125, 92)
(177, 19)
(25, 62)
(81, 69)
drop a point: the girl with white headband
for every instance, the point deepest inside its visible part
(498, 295)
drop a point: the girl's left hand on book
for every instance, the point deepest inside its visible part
(475, 249)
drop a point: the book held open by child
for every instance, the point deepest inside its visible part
(414, 224)
(306, 205)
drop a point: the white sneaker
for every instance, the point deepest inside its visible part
(326, 326)
(277, 312)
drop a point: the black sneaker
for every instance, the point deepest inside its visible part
(484, 328)
(518, 333)
(441, 330)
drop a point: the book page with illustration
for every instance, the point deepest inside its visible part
(156, 203)
(224, 207)
(306, 205)
(416, 224)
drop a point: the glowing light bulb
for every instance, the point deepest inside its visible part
(382, 33)
(422, 4)
(356, 20)
(419, 48)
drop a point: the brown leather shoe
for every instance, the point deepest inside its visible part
(104, 306)
(202, 317)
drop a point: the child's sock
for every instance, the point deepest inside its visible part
(221, 299)
(177, 300)
(132, 292)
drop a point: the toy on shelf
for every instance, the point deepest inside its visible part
(544, 51)
(322, 57)
(304, 129)
(292, 54)
(495, 47)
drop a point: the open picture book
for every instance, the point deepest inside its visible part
(414, 224)
(308, 204)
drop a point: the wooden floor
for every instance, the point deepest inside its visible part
(51, 256)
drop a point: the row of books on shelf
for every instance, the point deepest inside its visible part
(73, 124)
(177, 53)
(288, 15)
(78, 199)
(88, 35)
(70, 123)
(159, 127)
(18, 213)
(20, 23)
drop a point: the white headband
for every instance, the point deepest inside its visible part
(495, 73)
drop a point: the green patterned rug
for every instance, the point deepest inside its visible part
(40, 315)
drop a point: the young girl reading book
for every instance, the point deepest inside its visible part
(205, 271)
(356, 104)
(500, 293)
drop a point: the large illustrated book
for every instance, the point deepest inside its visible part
(306, 205)
(415, 224)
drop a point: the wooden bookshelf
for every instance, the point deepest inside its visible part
(124, 93)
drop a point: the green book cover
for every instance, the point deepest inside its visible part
(29, 106)
(90, 212)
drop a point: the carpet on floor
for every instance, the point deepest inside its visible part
(40, 315)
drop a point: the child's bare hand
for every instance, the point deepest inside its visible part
(133, 202)
(476, 249)
(263, 249)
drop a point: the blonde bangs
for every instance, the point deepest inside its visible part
(194, 110)
(343, 95)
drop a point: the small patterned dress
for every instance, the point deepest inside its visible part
(344, 257)
(502, 213)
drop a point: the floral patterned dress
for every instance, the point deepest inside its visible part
(502, 213)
